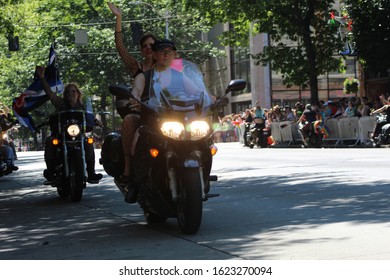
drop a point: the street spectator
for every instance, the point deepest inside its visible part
(350, 111)
(237, 121)
(335, 111)
(364, 108)
(289, 115)
(299, 108)
(7, 155)
(277, 115)
(377, 103)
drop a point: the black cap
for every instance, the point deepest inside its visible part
(163, 44)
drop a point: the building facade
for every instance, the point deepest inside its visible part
(263, 84)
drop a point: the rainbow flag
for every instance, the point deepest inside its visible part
(325, 131)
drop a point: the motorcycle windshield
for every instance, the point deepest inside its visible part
(180, 87)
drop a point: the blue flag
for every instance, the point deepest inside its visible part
(34, 96)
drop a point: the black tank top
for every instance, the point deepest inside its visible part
(145, 94)
(388, 114)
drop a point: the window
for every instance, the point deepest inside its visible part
(240, 67)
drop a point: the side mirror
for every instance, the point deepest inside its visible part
(236, 85)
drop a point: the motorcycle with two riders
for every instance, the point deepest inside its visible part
(173, 149)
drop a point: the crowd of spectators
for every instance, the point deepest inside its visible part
(228, 129)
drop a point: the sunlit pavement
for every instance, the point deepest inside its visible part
(276, 204)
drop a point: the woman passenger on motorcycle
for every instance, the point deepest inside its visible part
(72, 100)
(133, 66)
(130, 121)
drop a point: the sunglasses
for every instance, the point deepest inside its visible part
(146, 46)
(166, 52)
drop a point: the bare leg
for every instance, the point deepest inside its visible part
(129, 126)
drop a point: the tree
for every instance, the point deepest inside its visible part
(371, 34)
(94, 66)
(301, 21)
(6, 26)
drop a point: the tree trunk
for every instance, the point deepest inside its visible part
(311, 58)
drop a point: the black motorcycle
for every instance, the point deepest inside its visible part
(381, 134)
(174, 150)
(257, 134)
(70, 168)
(311, 134)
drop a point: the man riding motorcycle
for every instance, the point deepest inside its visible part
(306, 121)
(164, 53)
(382, 124)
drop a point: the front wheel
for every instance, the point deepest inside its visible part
(76, 177)
(189, 203)
(61, 183)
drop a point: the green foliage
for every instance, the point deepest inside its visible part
(351, 85)
(6, 18)
(303, 22)
(94, 66)
(371, 33)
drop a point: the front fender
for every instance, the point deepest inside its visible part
(191, 163)
(176, 161)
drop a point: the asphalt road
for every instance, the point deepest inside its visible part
(274, 204)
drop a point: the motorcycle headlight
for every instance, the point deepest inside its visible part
(73, 130)
(199, 129)
(174, 130)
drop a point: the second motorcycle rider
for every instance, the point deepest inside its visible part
(72, 100)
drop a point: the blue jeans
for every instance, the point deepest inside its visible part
(7, 154)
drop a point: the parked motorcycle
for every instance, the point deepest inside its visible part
(70, 167)
(173, 153)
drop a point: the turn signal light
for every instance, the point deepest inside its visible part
(153, 152)
(213, 150)
(55, 141)
(90, 141)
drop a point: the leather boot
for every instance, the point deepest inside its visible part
(92, 176)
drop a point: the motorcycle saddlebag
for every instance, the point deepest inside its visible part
(112, 157)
